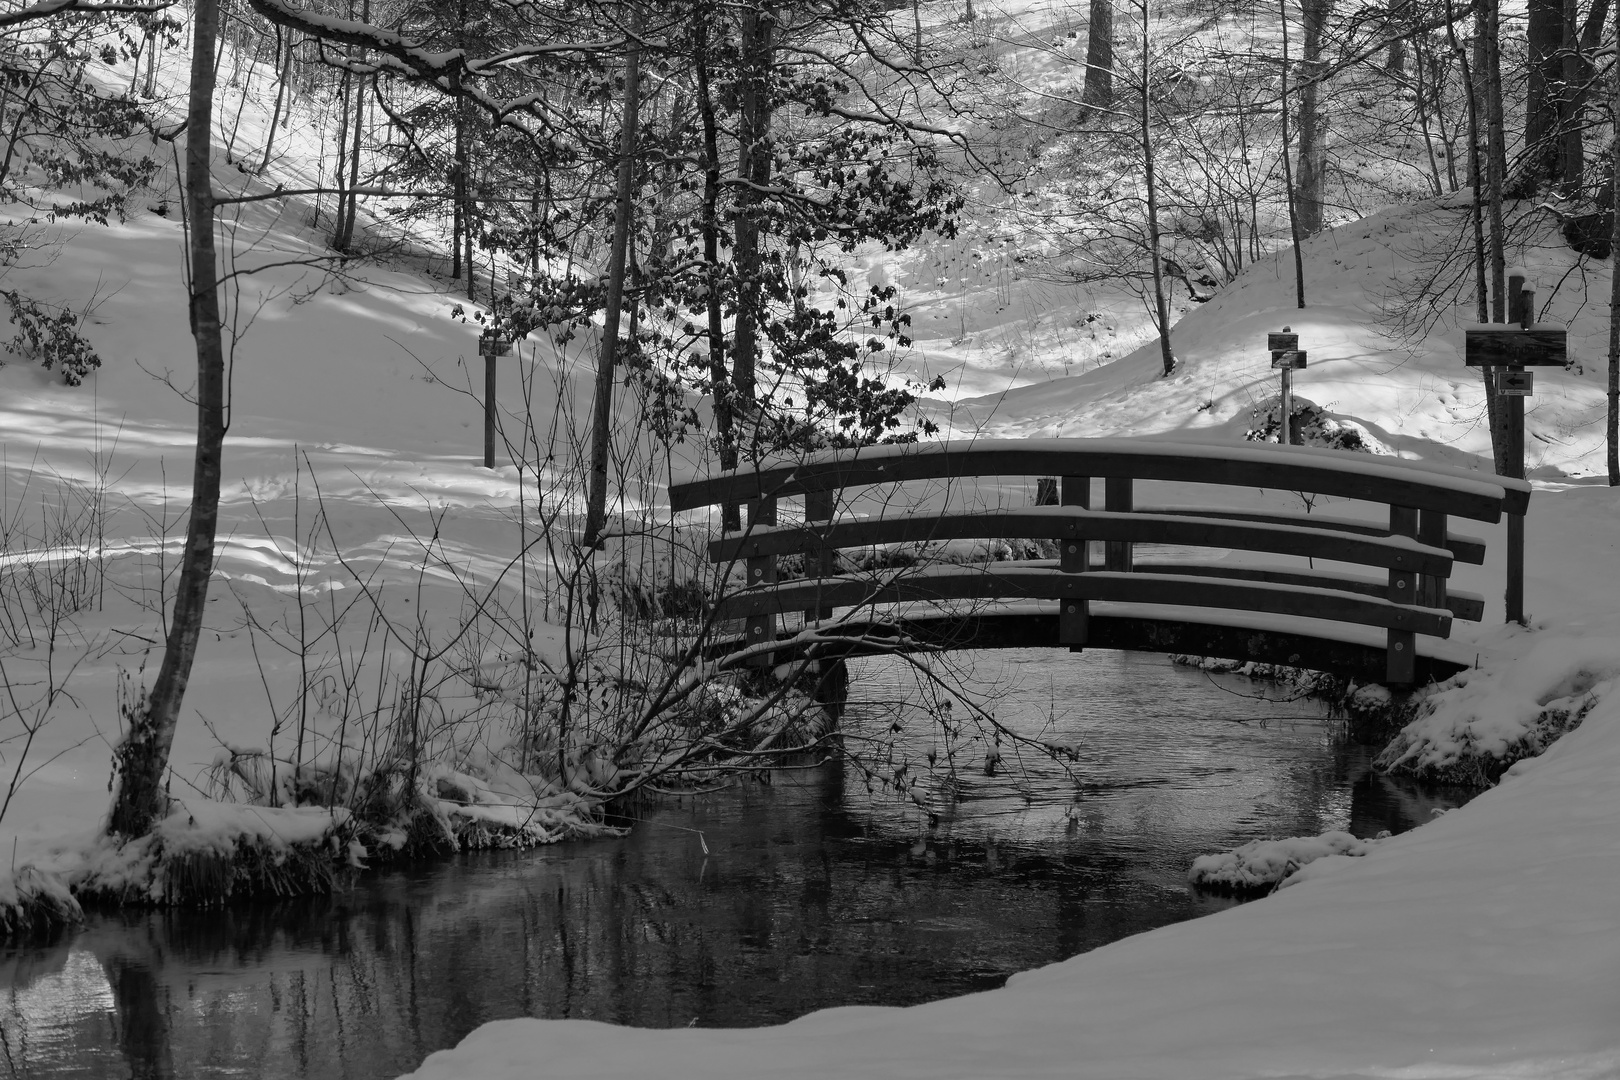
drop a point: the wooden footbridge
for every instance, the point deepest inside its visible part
(1281, 608)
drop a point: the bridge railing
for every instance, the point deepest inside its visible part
(1416, 550)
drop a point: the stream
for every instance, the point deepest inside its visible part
(751, 906)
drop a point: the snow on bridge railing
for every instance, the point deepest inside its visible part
(1308, 469)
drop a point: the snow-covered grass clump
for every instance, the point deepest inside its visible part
(1261, 865)
(208, 852)
(1480, 722)
(35, 904)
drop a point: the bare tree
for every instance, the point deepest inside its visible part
(143, 756)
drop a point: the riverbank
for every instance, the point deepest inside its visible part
(1485, 944)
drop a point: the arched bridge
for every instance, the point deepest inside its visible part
(1283, 585)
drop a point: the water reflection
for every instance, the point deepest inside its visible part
(749, 908)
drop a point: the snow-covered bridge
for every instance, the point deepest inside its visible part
(1280, 587)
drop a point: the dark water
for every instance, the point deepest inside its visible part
(750, 907)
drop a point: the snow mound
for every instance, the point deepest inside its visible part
(34, 903)
(1479, 723)
(1265, 864)
(207, 852)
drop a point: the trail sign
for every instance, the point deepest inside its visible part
(1285, 342)
(1509, 345)
(1290, 359)
(1515, 383)
(493, 345)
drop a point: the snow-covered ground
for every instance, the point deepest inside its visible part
(1486, 944)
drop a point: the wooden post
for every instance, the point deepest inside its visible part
(1117, 496)
(1521, 309)
(1287, 433)
(489, 410)
(1432, 531)
(1400, 654)
(761, 571)
(1074, 614)
(818, 557)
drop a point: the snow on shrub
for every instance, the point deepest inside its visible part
(35, 904)
(1480, 722)
(208, 852)
(1261, 865)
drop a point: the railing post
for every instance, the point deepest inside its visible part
(1400, 654)
(1432, 531)
(818, 557)
(761, 571)
(1117, 496)
(1074, 613)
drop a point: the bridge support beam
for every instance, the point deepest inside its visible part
(1074, 615)
(818, 557)
(1400, 661)
(761, 571)
(1117, 495)
(1432, 525)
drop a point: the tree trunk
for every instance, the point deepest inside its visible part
(1312, 124)
(338, 171)
(1288, 169)
(1161, 306)
(754, 170)
(1489, 30)
(1544, 81)
(142, 757)
(285, 56)
(720, 382)
(346, 206)
(1613, 432)
(1099, 88)
(1571, 154)
(602, 406)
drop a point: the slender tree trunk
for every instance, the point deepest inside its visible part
(602, 406)
(754, 170)
(1495, 178)
(1161, 306)
(150, 89)
(346, 205)
(1482, 290)
(143, 755)
(1613, 425)
(1423, 121)
(1312, 124)
(720, 382)
(1098, 92)
(284, 55)
(340, 170)
(1288, 169)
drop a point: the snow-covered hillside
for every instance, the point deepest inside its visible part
(1486, 944)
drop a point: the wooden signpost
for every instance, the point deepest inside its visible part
(1509, 348)
(491, 343)
(1286, 357)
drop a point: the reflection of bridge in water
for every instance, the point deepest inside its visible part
(1286, 610)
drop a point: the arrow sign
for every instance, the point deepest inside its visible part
(1516, 383)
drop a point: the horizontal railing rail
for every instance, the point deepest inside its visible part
(1018, 581)
(1309, 469)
